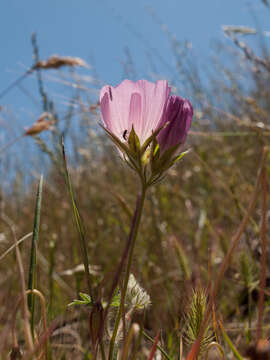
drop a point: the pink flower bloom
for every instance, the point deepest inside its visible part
(140, 104)
(178, 114)
(147, 107)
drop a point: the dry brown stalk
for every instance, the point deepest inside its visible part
(44, 316)
(25, 312)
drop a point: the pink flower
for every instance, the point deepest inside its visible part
(147, 107)
(140, 104)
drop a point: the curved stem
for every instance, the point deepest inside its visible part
(134, 233)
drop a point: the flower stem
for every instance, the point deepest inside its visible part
(134, 233)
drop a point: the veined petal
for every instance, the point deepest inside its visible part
(154, 99)
(135, 114)
(140, 103)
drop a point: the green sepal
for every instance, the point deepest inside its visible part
(122, 146)
(152, 137)
(155, 152)
(164, 161)
(178, 157)
(134, 143)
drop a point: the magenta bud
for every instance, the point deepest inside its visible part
(178, 116)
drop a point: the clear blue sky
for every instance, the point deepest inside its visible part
(99, 31)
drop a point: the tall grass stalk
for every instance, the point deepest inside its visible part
(32, 266)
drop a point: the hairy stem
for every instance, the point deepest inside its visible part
(133, 234)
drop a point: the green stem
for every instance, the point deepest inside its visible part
(130, 257)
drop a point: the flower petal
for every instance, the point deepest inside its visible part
(154, 99)
(140, 103)
(135, 114)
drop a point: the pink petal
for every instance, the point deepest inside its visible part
(154, 101)
(140, 103)
(135, 114)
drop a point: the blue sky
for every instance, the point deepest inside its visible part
(99, 31)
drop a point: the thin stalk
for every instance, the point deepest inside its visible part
(32, 266)
(154, 347)
(263, 257)
(51, 280)
(16, 82)
(10, 143)
(167, 357)
(138, 215)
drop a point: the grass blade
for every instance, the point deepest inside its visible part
(32, 266)
(79, 224)
(229, 342)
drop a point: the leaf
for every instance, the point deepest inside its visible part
(86, 300)
(85, 297)
(229, 342)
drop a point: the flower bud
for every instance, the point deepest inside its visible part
(178, 116)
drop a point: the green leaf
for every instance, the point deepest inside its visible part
(86, 300)
(85, 297)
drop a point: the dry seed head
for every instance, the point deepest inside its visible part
(136, 297)
(56, 61)
(40, 125)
